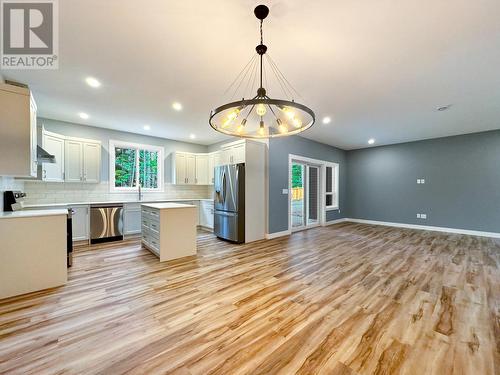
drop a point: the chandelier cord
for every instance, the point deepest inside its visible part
(261, 42)
(282, 84)
(283, 76)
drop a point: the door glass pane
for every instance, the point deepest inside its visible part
(313, 175)
(329, 200)
(148, 169)
(125, 167)
(328, 179)
(298, 203)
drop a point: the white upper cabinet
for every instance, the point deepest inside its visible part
(54, 145)
(233, 153)
(91, 162)
(82, 160)
(179, 169)
(73, 159)
(190, 169)
(202, 170)
(18, 156)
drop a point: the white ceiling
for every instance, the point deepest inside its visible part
(378, 68)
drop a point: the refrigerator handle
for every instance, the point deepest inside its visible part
(224, 189)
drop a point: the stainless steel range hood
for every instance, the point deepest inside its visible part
(43, 156)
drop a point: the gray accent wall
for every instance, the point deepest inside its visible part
(104, 135)
(279, 149)
(461, 190)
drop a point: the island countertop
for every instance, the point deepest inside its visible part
(167, 205)
(32, 213)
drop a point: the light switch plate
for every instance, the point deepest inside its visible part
(418, 216)
(422, 181)
(284, 191)
(423, 216)
(418, 180)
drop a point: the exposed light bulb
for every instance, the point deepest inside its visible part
(261, 128)
(233, 114)
(241, 127)
(281, 127)
(288, 112)
(297, 122)
(260, 109)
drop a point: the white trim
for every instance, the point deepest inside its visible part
(270, 236)
(123, 144)
(337, 221)
(322, 164)
(396, 225)
(427, 227)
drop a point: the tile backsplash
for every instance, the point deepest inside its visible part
(60, 192)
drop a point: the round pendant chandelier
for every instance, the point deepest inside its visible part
(261, 116)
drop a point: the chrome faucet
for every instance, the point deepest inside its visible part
(140, 193)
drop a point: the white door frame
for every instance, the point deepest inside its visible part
(321, 199)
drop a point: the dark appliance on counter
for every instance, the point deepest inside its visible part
(11, 198)
(229, 202)
(106, 223)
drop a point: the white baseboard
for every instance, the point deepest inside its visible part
(427, 227)
(331, 222)
(270, 236)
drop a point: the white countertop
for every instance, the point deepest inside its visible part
(32, 213)
(164, 206)
(70, 204)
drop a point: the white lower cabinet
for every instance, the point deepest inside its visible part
(207, 214)
(132, 219)
(169, 230)
(80, 221)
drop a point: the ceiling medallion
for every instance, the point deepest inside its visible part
(261, 116)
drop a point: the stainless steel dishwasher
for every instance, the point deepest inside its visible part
(106, 223)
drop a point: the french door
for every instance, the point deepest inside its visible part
(304, 202)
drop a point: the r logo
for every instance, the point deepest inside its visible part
(28, 28)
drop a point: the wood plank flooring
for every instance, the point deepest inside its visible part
(343, 299)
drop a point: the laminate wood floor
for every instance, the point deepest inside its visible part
(343, 299)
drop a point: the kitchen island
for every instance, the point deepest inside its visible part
(33, 251)
(169, 229)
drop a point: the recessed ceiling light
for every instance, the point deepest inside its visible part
(371, 141)
(326, 120)
(192, 136)
(444, 107)
(83, 115)
(177, 106)
(147, 127)
(92, 82)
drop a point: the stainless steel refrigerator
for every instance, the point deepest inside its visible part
(229, 202)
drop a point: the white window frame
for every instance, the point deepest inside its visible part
(335, 186)
(122, 144)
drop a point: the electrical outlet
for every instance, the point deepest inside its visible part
(423, 216)
(422, 181)
(418, 181)
(418, 216)
(284, 191)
